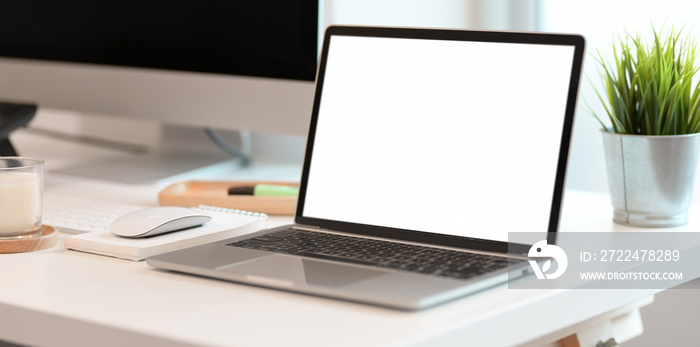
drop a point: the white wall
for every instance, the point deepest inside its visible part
(472, 14)
(419, 13)
(600, 21)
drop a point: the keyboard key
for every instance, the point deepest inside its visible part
(82, 215)
(267, 238)
(365, 251)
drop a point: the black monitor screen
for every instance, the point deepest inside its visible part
(272, 38)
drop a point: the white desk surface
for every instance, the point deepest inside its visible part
(57, 297)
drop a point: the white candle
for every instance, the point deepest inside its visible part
(20, 203)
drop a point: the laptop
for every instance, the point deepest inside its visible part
(426, 148)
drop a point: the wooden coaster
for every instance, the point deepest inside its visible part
(47, 239)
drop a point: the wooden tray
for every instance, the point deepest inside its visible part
(193, 193)
(47, 239)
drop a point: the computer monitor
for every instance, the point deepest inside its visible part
(226, 64)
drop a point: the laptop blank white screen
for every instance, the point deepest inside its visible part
(449, 137)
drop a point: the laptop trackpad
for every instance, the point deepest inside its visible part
(287, 270)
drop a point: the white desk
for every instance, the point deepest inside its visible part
(65, 298)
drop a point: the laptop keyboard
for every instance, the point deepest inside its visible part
(386, 254)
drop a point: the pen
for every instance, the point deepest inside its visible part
(264, 190)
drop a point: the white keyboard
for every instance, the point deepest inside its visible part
(82, 215)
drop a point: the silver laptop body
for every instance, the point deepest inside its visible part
(447, 139)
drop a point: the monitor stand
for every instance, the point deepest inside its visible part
(184, 153)
(6, 149)
(13, 116)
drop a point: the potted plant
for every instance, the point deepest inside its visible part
(651, 149)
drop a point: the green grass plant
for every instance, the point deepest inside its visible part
(649, 89)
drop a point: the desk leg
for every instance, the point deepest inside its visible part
(608, 333)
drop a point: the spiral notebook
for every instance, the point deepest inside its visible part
(225, 223)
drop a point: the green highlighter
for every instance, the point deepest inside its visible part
(264, 190)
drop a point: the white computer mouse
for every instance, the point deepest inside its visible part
(157, 220)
